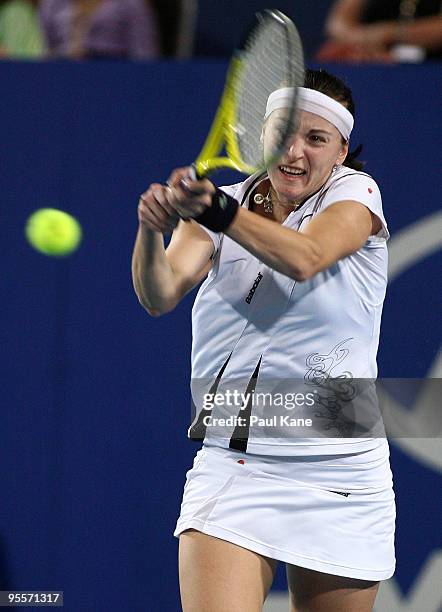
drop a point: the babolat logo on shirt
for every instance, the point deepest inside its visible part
(253, 289)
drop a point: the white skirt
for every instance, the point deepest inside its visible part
(333, 514)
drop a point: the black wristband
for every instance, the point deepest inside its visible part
(221, 213)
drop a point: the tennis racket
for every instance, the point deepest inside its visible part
(270, 57)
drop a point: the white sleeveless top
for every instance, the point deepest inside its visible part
(252, 322)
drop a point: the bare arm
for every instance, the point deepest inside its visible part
(161, 278)
(335, 233)
(341, 229)
(424, 32)
(344, 25)
(343, 17)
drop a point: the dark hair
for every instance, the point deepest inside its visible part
(332, 86)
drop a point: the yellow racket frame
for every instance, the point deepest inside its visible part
(224, 128)
(223, 132)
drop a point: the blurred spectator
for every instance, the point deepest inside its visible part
(383, 30)
(100, 28)
(20, 34)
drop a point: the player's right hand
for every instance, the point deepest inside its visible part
(154, 211)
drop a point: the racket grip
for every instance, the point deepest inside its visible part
(193, 174)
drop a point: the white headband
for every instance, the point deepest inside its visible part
(314, 102)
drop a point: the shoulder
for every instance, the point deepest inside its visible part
(348, 184)
(348, 179)
(351, 185)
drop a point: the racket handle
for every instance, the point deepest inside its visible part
(193, 174)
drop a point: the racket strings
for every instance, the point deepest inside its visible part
(272, 58)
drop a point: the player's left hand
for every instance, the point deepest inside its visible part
(188, 197)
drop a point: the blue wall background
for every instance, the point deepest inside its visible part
(94, 393)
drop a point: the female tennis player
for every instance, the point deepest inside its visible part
(295, 265)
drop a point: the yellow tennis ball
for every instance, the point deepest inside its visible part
(53, 232)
